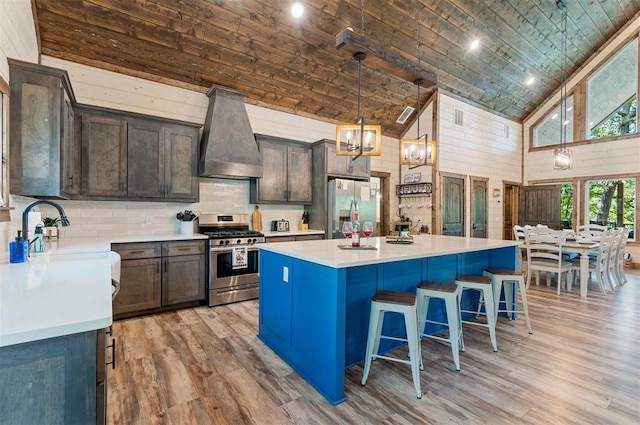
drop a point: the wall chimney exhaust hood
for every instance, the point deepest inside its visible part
(228, 146)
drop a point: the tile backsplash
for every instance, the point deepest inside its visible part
(108, 218)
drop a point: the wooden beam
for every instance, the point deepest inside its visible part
(384, 58)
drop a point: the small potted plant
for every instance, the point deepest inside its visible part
(50, 226)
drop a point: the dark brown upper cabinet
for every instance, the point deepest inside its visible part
(286, 176)
(136, 157)
(43, 149)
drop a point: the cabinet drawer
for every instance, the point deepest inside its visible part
(170, 249)
(132, 251)
(280, 239)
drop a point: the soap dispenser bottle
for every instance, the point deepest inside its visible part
(38, 241)
(18, 249)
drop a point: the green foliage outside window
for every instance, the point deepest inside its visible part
(621, 121)
(608, 207)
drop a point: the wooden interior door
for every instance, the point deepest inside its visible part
(510, 209)
(453, 206)
(541, 205)
(479, 208)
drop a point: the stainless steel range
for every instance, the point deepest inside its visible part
(233, 260)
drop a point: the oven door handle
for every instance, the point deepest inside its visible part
(227, 250)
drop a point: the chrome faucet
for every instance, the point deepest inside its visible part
(25, 216)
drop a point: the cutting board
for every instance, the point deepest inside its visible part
(257, 219)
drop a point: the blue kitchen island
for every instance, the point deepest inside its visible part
(315, 297)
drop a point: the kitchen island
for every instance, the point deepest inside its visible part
(315, 297)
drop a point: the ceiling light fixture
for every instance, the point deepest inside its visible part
(358, 139)
(474, 44)
(530, 80)
(562, 157)
(420, 151)
(297, 10)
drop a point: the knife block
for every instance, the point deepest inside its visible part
(302, 225)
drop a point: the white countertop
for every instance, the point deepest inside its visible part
(66, 290)
(271, 234)
(326, 252)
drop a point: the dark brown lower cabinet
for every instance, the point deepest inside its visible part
(54, 381)
(157, 276)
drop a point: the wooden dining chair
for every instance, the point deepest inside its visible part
(543, 255)
(600, 265)
(618, 258)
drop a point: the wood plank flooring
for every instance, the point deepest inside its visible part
(206, 366)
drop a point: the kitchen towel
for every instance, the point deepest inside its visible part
(239, 257)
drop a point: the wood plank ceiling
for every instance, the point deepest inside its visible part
(293, 65)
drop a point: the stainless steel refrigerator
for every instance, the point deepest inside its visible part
(343, 197)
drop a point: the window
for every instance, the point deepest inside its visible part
(547, 133)
(4, 149)
(612, 101)
(566, 206)
(611, 202)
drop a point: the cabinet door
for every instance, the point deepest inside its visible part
(146, 159)
(272, 187)
(35, 133)
(183, 279)
(299, 174)
(346, 166)
(70, 178)
(181, 160)
(140, 283)
(104, 156)
(50, 381)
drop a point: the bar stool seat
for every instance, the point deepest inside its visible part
(508, 279)
(449, 293)
(405, 304)
(482, 284)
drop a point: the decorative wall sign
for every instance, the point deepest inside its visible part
(412, 177)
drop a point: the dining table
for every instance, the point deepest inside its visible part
(583, 247)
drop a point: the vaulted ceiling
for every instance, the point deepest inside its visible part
(293, 65)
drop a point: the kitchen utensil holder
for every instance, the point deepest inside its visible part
(187, 227)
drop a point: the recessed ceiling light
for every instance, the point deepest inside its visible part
(297, 9)
(570, 108)
(554, 116)
(474, 44)
(530, 81)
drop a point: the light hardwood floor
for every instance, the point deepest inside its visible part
(206, 366)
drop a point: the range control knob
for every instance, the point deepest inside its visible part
(226, 242)
(221, 242)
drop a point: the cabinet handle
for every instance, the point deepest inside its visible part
(71, 182)
(113, 354)
(165, 265)
(184, 249)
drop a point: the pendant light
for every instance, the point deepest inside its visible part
(420, 151)
(358, 139)
(562, 159)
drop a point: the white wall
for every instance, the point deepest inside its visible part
(479, 149)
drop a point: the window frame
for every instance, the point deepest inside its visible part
(579, 91)
(4, 150)
(587, 87)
